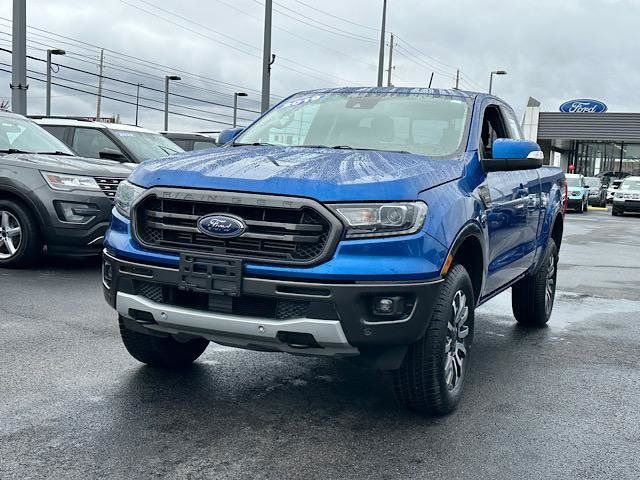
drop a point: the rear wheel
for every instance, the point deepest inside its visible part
(615, 211)
(533, 297)
(20, 243)
(161, 352)
(432, 375)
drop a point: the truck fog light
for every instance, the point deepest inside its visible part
(107, 273)
(388, 306)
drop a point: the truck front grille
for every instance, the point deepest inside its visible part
(108, 185)
(278, 231)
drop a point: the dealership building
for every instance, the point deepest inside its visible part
(584, 138)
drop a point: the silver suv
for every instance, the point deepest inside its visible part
(627, 197)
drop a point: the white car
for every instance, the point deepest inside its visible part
(627, 197)
(611, 190)
(110, 141)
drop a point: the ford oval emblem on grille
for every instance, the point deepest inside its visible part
(221, 226)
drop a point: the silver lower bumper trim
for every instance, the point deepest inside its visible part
(237, 331)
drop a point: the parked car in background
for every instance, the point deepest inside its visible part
(358, 223)
(612, 188)
(578, 192)
(597, 191)
(191, 141)
(627, 197)
(112, 141)
(49, 197)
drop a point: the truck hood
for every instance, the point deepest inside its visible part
(321, 173)
(71, 165)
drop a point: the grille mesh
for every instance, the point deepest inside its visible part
(282, 235)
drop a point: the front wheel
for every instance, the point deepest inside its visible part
(20, 244)
(161, 352)
(533, 297)
(432, 374)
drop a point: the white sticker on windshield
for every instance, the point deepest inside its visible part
(125, 134)
(300, 101)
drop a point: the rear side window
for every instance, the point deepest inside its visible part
(57, 131)
(89, 142)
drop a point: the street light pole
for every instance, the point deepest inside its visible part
(267, 59)
(51, 51)
(495, 72)
(382, 35)
(235, 106)
(19, 84)
(167, 79)
(137, 102)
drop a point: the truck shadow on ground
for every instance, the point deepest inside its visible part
(235, 401)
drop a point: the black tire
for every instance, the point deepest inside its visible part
(533, 297)
(161, 352)
(616, 211)
(586, 206)
(29, 243)
(422, 382)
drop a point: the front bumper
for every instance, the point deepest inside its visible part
(575, 202)
(76, 238)
(338, 317)
(627, 205)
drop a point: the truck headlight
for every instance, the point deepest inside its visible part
(366, 220)
(67, 183)
(126, 194)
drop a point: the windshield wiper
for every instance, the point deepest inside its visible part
(349, 147)
(57, 152)
(13, 150)
(255, 144)
(168, 151)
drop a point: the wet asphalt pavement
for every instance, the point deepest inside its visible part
(562, 402)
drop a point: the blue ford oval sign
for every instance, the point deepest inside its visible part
(221, 225)
(583, 105)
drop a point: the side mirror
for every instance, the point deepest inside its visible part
(510, 155)
(111, 154)
(228, 135)
(587, 186)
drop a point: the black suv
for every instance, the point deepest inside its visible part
(49, 197)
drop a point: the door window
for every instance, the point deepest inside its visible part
(493, 127)
(89, 142)
(57, 131)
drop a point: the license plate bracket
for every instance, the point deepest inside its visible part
(212, 274)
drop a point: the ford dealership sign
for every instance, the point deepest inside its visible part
(583, 105)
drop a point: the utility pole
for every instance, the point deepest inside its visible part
(137, 102)
(382, 35)
(100, 85)
(18, 83)
(55, 51)
(457, 79)
(389, 84)
(267, 59)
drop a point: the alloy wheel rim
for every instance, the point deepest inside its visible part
(455, 348)
(550, 285)
(10, 235)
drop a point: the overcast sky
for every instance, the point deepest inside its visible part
(553, 50)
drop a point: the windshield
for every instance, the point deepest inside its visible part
(573, 182)
(24, 135)
(146, 145)
(630, 185)
(593, 182)
(415, 123)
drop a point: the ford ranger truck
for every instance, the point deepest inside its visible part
(363, 223)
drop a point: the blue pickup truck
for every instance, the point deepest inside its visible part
(364, 223)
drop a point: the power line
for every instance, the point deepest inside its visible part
(133, 59)
(133, 83)
(124, 101)
(216, 40)
(375, 29)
